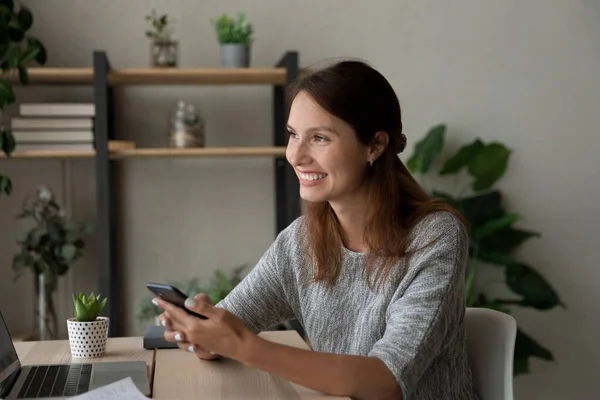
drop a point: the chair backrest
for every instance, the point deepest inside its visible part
(491, 339)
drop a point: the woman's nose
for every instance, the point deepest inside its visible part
(297, 154)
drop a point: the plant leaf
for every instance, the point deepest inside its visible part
(494, 225)
(41, 56)
(462, 158)
(7, 96)
(505, 240)
(489, 165)
(68, 251)
(426, 150)
(7, 142)
(526, 347)
(25, 18)
(23, 75)
(443, 196)
(15, 32)
(481, 208)
(527, 282)
(81, 312)
(5, 185)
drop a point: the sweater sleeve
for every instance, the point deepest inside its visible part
(259, 299)
(431, 307)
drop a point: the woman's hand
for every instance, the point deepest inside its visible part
(222, 334)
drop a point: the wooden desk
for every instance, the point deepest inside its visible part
(176, 374)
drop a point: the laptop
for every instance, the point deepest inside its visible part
(60, 381)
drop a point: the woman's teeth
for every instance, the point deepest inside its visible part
(312, 177)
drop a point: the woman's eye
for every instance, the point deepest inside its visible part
(291, 134)
(319, 138)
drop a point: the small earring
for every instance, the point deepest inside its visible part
(371, 162)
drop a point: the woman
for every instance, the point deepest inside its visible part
(373, 270)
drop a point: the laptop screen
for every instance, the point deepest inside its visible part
(9, 361)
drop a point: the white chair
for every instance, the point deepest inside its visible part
(491, 339)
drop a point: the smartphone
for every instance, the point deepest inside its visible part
(172, 295)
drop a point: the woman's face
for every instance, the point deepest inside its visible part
(328, 159)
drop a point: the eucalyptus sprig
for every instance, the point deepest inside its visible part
(162, 26)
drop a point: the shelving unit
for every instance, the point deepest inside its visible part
(103, 78)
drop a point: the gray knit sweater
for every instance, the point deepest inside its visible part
(415, 325)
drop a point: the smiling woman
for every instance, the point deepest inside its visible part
(374, 269)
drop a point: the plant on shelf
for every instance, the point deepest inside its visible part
(88, 331)
(493, 236)
(217, 289)
(163, 48)
(235, 39)
(49, 248)
(17, 50)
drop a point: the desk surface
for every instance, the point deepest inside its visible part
(176, 374)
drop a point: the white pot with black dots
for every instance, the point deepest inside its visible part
(88, 331)
(88, 339)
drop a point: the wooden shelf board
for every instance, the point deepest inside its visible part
(155, 152)
(157, 76)
(198, 76)
(55, 76)
(50, 154)
(200, 152)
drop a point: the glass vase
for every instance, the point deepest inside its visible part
(45, 312)
(164, 53)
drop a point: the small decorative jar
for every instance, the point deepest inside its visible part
(164, 53)
(186, 126)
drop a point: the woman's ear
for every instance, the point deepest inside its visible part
(378, 145)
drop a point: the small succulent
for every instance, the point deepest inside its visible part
(87, 309)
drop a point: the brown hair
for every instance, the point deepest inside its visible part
(359, 95)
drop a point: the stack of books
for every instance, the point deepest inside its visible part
(54, 126)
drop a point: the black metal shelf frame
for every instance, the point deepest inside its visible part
(287, 199)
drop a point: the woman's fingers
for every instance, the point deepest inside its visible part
(200, 353)
(174, 336)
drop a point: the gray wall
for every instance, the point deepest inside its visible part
(524, 73)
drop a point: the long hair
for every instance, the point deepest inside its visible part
(359, 95)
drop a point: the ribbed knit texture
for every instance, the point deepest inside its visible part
(415, 325)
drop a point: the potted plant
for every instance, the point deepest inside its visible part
(163, 48)
(88, 331)
(493, 238)
(235, 39)
(17, 50)
(49, 248)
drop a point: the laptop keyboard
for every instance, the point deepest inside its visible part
(56, 380)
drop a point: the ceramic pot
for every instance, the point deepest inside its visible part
(88, 339)
(235, 55)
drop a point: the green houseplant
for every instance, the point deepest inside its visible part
(217, 289)
(163, 48)
(17, 50)
(235, 37)
(88, 331)
(48, 249)
(494, 238)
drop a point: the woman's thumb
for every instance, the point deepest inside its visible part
(201, 304)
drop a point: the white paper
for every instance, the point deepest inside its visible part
(124, 389)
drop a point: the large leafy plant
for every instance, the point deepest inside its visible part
(17, 50)
(494, 238)
(217, 289)
(49, 248)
